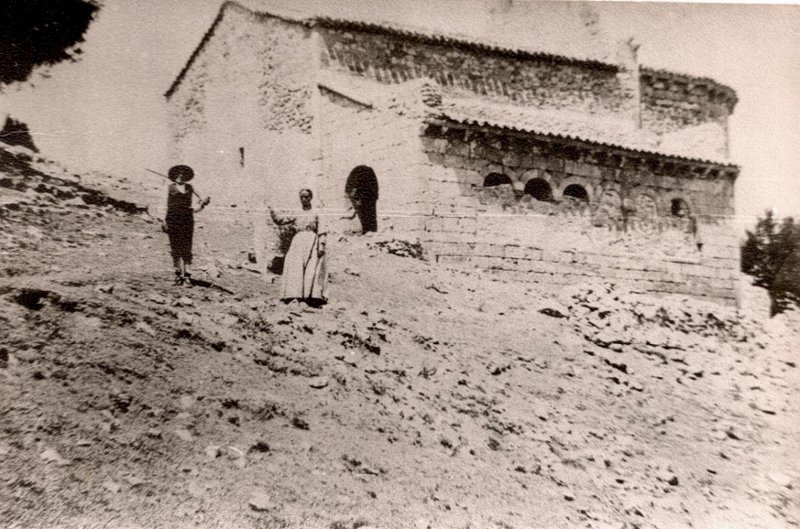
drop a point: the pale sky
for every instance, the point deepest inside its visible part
(107, 111)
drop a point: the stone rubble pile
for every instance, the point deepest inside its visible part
(612, 317)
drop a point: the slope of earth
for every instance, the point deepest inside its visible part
(418, 397)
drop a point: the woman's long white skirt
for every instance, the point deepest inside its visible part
(304, 273)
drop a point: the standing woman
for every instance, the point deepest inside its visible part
(304, 272)
(179, 223)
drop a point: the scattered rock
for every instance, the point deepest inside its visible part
(212, 451)
(781, 479)
(83, 442)
(555, 310)
(259, 446)
(238, 457)
(155, 298)
(186, 402)
(145, 328)
(105, 289)
(195, 489)
(299, 423)
(732, 435)
(112, 486)
(318, 382)
(260, 501)
(183, 301)
(189, 320)
(401, 248)
(154, 432)
(184, 435)
(134, 481)
(54, 457)
(228, 320)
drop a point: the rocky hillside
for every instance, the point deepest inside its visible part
(418, 397)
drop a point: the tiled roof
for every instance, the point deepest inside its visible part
(457, 41)
(567, 125)
(255, 7)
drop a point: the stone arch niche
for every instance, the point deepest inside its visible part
(645, 213)
(576, 191)
(608, 210)
(679, 226)
(539, 189)
(678, 213)
(496, 179)
(678, 207)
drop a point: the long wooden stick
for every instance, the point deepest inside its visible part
(168, 178)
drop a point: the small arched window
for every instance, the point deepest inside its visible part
(539, 189)
(679, 208)
(576, 191)
(496, 179)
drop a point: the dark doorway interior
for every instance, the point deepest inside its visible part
(576, 191)
(496, 179)
(362, 190)
(539, 189)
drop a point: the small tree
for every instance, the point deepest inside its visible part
(770, 254)
(35, 33)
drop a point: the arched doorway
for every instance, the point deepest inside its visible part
(362, 190)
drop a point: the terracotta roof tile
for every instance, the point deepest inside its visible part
(568, 125)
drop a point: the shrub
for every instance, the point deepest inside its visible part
(771, 253)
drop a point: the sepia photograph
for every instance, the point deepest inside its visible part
(399, 264)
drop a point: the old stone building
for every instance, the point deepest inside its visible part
(537, 167)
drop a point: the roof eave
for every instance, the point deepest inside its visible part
(445, 121)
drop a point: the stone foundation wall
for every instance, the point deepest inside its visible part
(611, 178)
(625, 232)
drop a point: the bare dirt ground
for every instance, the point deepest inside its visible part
(419, 397)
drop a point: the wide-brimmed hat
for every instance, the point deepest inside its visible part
(184, 172)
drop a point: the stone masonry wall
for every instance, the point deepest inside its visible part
(242, 114)
(672, 102)
(542, 83)
(353, 135)
(625, 233)
(664, 103)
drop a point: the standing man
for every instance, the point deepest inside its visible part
(179, 223)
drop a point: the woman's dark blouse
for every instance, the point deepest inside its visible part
(179, 204)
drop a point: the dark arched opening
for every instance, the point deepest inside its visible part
(539, 189)
(576, 191)
(679, 208)
(496, 179)
(362, 190)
